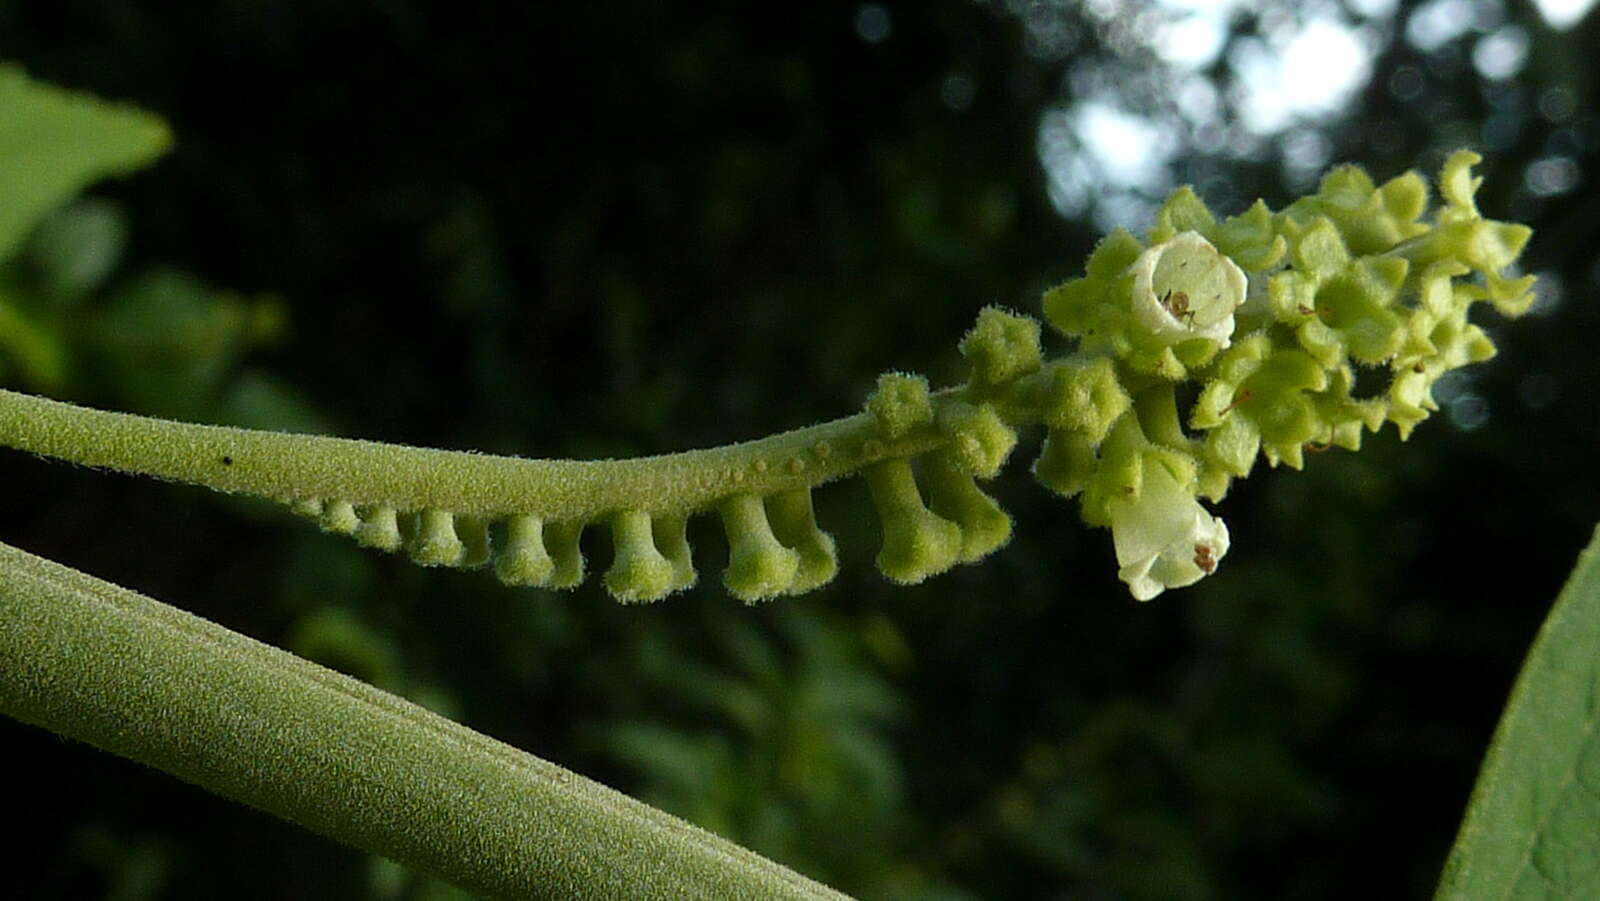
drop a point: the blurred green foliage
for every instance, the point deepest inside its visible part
(56, 142)
(611, 229)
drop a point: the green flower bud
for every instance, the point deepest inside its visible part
(794, 524)
(523, 560)
(434, 541)
(953, 495)
(1066, 462)
(339, 517)
(1087, 306)
(900, 403)
(1233, 445)
(671, 534)
(379, 528)
(1002, 347)
(759, 567)
(310, 507)
(1370, 219)
(1084, 396)
(1250, 239)
(564, 541)
(474, 534)
(1359, 305)
(980, 441)
(638, 572)
(1118, 472)
(916, 542)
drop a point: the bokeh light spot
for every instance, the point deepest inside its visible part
(1563, 14)
(1502, 53)
(1432, 25)
(957, 92)
(1552, 175)
(872, 23)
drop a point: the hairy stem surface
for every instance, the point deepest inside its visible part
(285, 466)
(104, 665)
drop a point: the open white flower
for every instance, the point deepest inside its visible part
(1165, 539)
(1185, 288)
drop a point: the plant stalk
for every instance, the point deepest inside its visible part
(127, 674)
(288, 467)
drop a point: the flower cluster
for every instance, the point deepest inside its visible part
(1271, 315)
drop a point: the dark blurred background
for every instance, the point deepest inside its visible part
(611, 228)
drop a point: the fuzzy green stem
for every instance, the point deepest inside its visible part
(286, 466)
(110, 667)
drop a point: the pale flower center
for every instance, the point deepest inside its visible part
(1185, 288)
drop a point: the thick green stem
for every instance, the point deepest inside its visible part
(286, 466)
(124, 673)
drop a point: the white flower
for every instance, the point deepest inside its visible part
(1164, 539)
(1185, 288)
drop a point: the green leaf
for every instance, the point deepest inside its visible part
(55, 142)
(1532, 829)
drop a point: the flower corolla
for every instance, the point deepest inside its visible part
(1164, 538)
(1185, 288)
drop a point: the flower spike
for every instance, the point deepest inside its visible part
(1267, 320)
(1290, 306)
